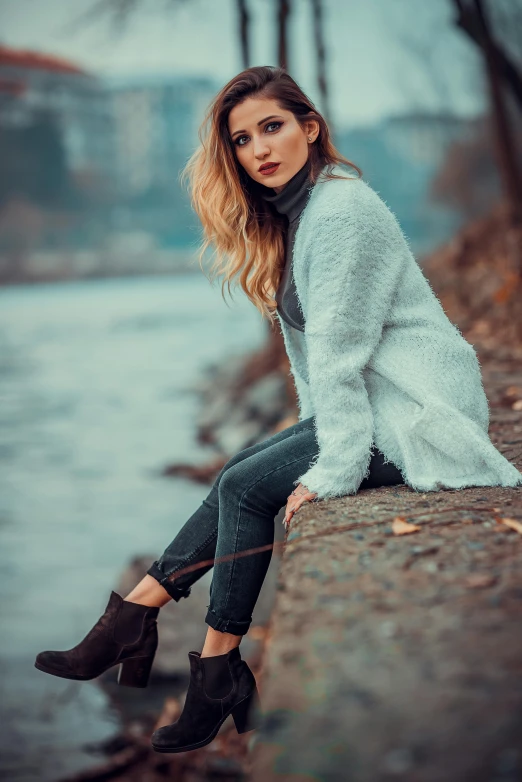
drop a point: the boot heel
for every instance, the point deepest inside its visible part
(135, 671)
(247, 713)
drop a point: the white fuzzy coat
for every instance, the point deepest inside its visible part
(379, 360)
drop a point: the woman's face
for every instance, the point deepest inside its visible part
(262, 132)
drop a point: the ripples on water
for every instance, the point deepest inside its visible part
(95, 390)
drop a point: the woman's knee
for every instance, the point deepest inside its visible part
(236, 459)
(245, 485)
(234, 478)
(263, 474)
(252, 450)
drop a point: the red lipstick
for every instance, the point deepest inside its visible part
(269, 168)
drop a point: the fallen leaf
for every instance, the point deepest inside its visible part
(402, 527)
(513, 523)
(480, 580)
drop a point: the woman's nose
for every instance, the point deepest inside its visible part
(261, 148)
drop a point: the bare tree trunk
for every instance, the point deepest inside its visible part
(474, 19)
(284, 8)
(510, 73)
(244, 32)
(506, 149)
(317, 12)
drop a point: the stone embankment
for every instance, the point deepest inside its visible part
(395, 643)
(394, 648)
(387, 637)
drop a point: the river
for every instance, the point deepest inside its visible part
(96, 397)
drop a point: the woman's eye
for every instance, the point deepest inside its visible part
(267, 126)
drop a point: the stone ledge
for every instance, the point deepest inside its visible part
(398, 656)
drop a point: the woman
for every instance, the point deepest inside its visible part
(389, 391)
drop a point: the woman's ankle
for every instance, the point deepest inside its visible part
(148, 592)
(218, 643)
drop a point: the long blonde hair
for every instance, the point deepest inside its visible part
(246, 231)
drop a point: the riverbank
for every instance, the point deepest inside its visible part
(395, 638)
(392, 644)
(351, 594)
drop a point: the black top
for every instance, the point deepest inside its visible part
(290, 202)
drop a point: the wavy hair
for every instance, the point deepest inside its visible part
(246, 231)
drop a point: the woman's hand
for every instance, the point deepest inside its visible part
(299, 496)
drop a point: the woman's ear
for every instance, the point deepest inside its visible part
(312, 128)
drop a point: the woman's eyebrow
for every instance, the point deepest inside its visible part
(259, 123)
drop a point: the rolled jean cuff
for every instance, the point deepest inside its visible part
(175, 592)
(226, 625)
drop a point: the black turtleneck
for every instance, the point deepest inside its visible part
(290, 202)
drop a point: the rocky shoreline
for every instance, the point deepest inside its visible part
(242, 402)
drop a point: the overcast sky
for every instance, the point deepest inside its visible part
(371, 69)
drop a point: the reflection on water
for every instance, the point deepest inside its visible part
(95, 389)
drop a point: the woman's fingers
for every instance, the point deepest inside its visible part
(294, 502)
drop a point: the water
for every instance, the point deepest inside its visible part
(95, 399)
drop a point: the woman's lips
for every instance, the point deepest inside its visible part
(270, 170)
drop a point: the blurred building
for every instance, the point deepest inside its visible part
(156, 121)
(399, 157)
(36, 87)
(89, 166)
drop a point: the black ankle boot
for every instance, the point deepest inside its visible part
(234, 688)
(127, 633)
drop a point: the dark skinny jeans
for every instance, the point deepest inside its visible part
(238, 515)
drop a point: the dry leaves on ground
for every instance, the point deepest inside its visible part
(402, 527)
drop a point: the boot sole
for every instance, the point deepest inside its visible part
(61, 675)
(253, 726)
(126, 676)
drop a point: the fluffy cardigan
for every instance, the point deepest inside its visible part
(379, 361)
